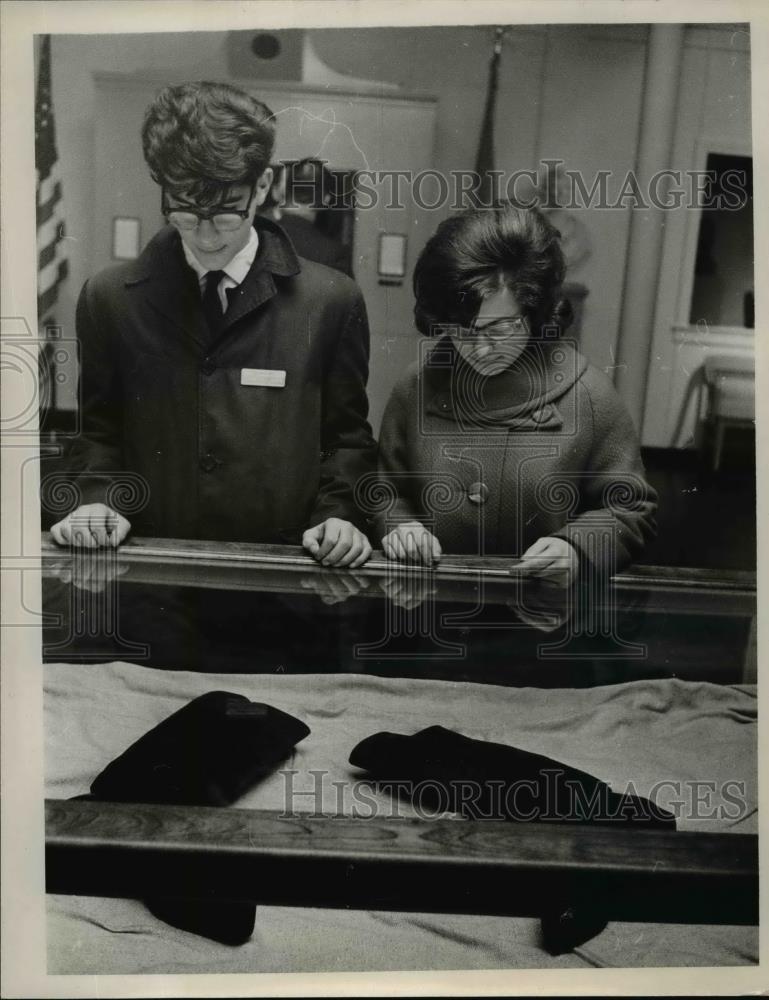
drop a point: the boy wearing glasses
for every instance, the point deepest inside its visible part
(225, 372)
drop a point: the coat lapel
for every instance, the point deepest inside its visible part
(275, 257)
(161, 275)
(256, 288)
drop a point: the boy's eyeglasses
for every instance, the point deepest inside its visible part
(223, 220)
(500, 330)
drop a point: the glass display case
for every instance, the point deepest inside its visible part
(231, 608)
(646, 681)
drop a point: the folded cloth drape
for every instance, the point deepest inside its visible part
(208, 753)
(444, 770)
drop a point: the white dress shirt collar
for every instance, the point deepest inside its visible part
(236, 269)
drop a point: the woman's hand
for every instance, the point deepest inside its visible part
(552, 559)
(542, 604)
(412, 542)
(408, 588)
(91, 526)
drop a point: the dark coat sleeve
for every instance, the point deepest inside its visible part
(617, 506)
(348, 448)
(395, 468)
(96, 457)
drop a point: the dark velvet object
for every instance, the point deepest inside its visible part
(207, 754)
(443, 770)
(228, 921)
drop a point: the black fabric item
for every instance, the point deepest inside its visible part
(229, 921)
(212, 305)
(208, 753)
(566, 925)
(483, 780)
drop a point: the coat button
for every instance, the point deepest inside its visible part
(478, 493)
(208, 367)
(208, 463)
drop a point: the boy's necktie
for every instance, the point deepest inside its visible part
(212, 305)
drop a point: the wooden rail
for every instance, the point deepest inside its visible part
(287, 568)
(440, 865)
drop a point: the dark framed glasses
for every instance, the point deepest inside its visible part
(188, 217)
(499, 330)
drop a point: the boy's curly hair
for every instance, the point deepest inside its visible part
(201, 137)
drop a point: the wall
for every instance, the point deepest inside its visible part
(74, 60)
(575, 93)
(591, 99)
(568, 92)
(713, 115)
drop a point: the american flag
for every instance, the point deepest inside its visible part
(51, 260)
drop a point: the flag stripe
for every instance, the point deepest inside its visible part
(50, 232)
(46, 208)
(47, 254)
(46, 185)
(51, 262)
(47, 299)
(54, 272)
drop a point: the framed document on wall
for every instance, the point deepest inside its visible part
(125, 237)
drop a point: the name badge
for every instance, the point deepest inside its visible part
(271, 378)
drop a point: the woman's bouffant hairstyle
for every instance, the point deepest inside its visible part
(200, 137)
(480, 251)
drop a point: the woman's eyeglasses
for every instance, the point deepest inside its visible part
(223, 220)
(499, 330)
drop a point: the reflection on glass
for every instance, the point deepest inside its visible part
(491, 625)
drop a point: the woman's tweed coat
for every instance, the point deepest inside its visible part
(491, 464)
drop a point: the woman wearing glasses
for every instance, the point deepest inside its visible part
(504, 439)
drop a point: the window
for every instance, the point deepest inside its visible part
(722, 292)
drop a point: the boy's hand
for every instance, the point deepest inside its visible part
(92, 571)
(91, 526)
(335, 542)
(412, 542)
(334, 587)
